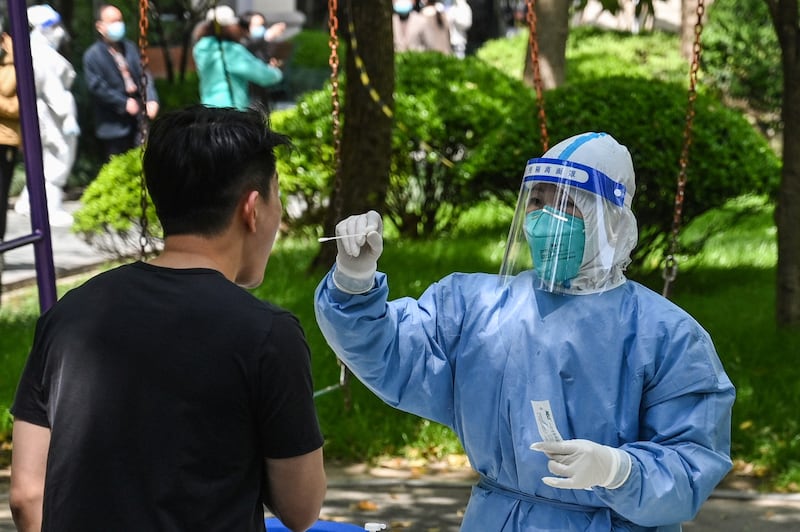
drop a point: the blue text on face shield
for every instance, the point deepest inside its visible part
(557, 242)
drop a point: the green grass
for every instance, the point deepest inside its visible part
(594, 53)
(728, 284)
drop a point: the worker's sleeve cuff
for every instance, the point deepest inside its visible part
(352, 285)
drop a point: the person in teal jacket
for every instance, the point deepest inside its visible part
(224, 66)
(584, 400)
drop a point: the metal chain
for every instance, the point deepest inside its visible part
(333, 61)
(671, 264)
(533, 46)
(143, 123)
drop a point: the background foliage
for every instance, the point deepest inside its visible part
(742, 58)
(484, 122)
(465, 130)
(594, 53)
(110, 216)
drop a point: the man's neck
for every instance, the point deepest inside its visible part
(193, 251)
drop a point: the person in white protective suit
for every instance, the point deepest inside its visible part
(584, 400)
(58, 125)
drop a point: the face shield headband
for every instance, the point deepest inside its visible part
(554, 231)
(569, 173)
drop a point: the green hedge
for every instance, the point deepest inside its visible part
(110, 216)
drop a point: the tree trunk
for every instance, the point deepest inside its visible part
(366, 150)
(784, 15)
(688, 24)
(552, 31)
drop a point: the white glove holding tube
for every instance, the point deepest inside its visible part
(358, 252)
(584, 463)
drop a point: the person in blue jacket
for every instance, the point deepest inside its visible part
(584, 400)
(225, 67)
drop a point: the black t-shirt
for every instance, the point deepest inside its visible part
(164, 391)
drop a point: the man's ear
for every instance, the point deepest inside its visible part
(249, 210)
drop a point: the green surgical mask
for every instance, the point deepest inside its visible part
(557, 241)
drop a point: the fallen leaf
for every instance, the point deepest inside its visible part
(366, 506)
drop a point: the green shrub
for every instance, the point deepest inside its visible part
(741, 55)
(110, 214)
(306, 172)
(506, 54)
(311, 49)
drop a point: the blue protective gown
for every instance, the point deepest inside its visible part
(624, 368)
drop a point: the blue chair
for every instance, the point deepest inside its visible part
(274, 525)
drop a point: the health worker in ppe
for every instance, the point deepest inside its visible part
(584, 400)
(55, 105)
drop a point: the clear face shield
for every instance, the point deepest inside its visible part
(562, 222)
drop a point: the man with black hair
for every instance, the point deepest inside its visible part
(160, 395)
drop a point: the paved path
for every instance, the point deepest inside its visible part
(70, 253)
(436, 502)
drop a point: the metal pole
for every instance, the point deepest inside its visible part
(32, 143)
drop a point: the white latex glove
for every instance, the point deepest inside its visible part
(584, 464)
(357, 258)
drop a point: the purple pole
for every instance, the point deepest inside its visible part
(32, 143)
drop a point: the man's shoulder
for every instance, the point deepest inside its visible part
(97, 282)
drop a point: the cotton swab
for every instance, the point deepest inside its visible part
(337, 237)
